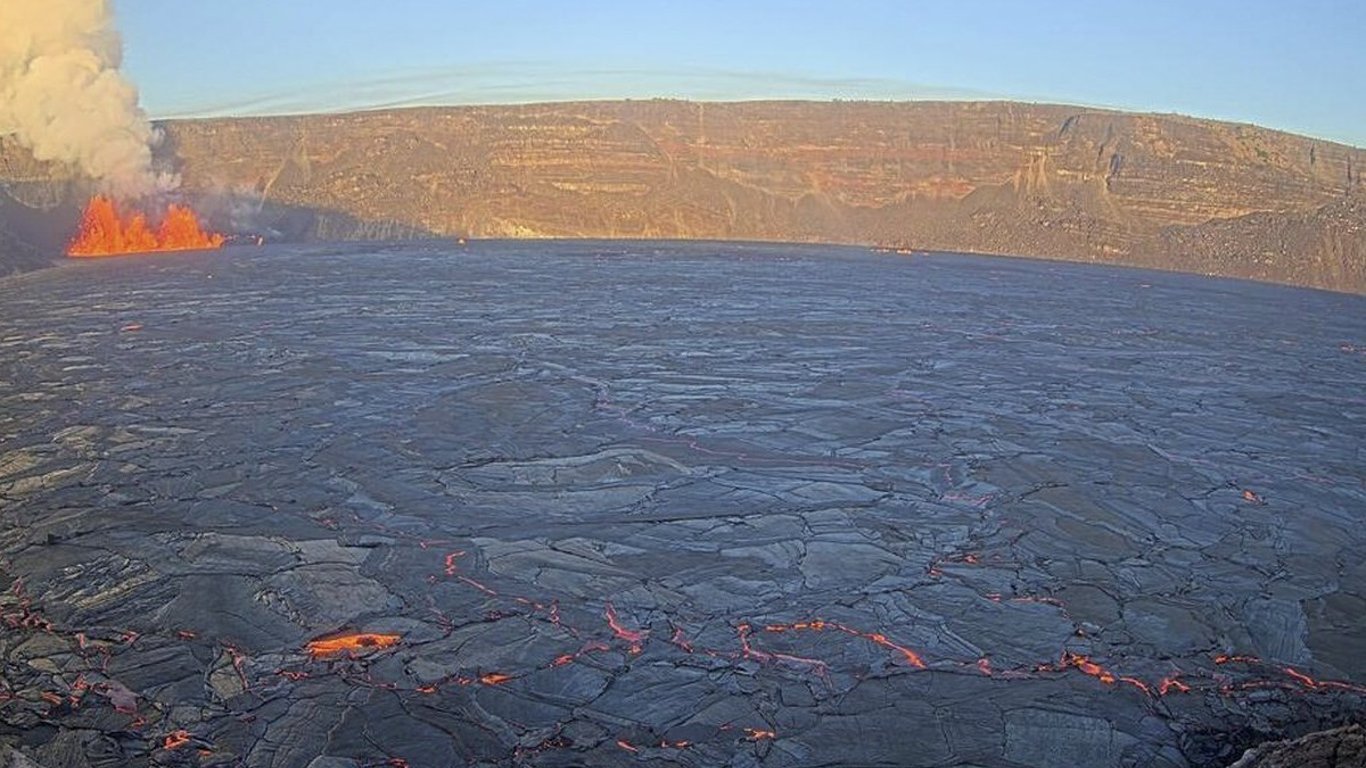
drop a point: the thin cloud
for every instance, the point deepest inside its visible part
(524, 82)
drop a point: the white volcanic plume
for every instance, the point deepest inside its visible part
(62, 95)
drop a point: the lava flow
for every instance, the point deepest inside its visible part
(176, 740)
(877, 638)
(635, 637)
(105, 233)
(351, 644)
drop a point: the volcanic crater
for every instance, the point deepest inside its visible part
(702, 504)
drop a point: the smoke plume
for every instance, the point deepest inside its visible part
(62, 94)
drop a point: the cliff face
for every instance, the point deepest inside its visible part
(993, 177)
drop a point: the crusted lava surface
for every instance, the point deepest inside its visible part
(661, 504)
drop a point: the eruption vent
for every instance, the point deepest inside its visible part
(63, 97)
(105, 233)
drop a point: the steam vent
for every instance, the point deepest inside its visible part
(571, 503)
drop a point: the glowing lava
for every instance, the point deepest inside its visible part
(748, 651)
(351, 644)
(634, 637)
(105, 233)
(1297, 678)
(1089, 667)
(569, 658)
(1171, 684)
(176, 739)
(877, 638)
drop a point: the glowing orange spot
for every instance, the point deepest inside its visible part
(1318, 685)
(1139, 684)
(104, 232)
(569, 658)
(481, 587)
(748, 651)
(911, 657)
(984, 666)
(681, 640)
(1093, 669)
(427, 689)
(1225, 658)
(818, 625)
(554, 615)
(176, 739)
(1100, 673)
(186, 635)
(1172, 684)
(1252, 498)
(628, 746)
(352, 644)
(634, 637)
(1088, 667)
(1302, 679)
(755, 734)
(451, 567)
(495, 678)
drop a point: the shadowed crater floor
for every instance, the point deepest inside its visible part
(661, 504)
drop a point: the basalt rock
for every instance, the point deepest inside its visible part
(1339, 748)
(554, 504)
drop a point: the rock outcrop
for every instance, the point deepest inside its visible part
(1338, 748)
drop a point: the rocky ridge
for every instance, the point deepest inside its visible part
(1048, 181)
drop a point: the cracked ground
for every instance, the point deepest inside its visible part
(635, 504)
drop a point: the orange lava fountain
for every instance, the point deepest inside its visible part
(105, 233)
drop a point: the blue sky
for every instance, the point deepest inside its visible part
(1297, 65)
